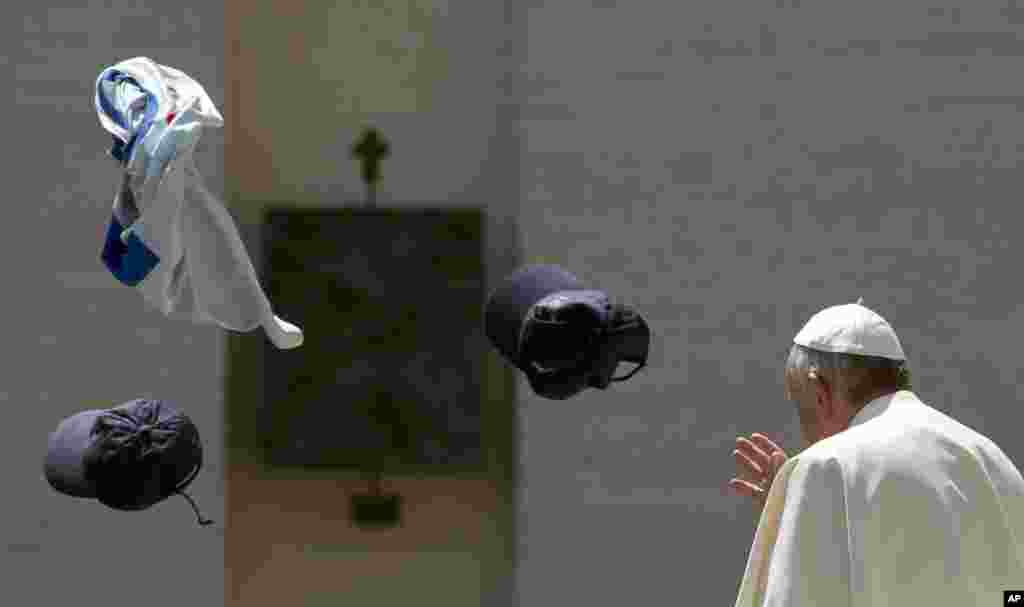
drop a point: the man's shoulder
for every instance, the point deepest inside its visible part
(951, 428)
(826, 456)
(901, 435)
(842, 458)
(842, 445)
(875, 435)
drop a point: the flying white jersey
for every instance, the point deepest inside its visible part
(169, 237)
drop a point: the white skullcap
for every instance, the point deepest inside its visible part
(851, 329)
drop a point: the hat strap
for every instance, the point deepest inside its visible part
(180, 490)
(203, 521)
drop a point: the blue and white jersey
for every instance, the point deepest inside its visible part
(168, 236)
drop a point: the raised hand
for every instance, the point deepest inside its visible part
(758, 460)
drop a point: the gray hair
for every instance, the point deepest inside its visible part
(854, 376)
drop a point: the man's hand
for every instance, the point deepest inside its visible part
(758, 460)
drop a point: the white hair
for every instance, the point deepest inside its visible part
(845, 372)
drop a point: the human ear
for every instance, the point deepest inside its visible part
(823, 396)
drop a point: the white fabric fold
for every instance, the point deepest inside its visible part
(906, 507)
(169, 237)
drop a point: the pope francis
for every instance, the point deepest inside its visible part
(893, 503)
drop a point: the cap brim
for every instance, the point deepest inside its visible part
(63, 465)
(509, 303)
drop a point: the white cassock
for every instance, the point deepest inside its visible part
(173, 240)
(906, 507)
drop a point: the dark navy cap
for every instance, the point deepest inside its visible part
(510, 303)
(130, 457)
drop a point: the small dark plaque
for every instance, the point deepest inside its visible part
(370, 511)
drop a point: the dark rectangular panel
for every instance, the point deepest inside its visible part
(390, 375)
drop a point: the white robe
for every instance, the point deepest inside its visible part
(905, 507)
(169, 237)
